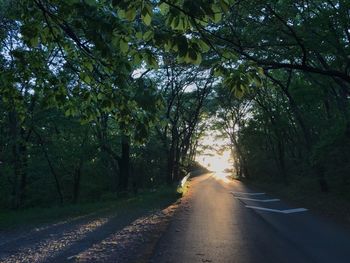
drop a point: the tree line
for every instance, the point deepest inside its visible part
(99, 97)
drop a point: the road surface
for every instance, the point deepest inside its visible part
(224, 221)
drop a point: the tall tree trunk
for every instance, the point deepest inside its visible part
(23, 168)
(177, 161)
(51, 167)
(170, 164)
(76, 184)
(125, 163)
(110, 159)
(281, 160)
(19, 161)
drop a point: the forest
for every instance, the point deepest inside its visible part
(101, 99)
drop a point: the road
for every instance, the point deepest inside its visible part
(224, 221)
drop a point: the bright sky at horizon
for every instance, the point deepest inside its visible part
(214, 153)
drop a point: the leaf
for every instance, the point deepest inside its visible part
(260, 70)
(90, 2)
(130, 14)
(146, 14)
(34, 42)
(175, 22)
(199, 59)
(89, 66)
(139, 35)
(204, 47)
(239, 91)
(224, 6)
(100, 96)
(147, 19)
(137, 59)
(148, 35)
(151, 61)
(124, 45)
(85, 77)
(121, 13)
(217, 17)
(115, 41)
(217, 14)
(164, 8)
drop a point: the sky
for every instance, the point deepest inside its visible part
(214, 152)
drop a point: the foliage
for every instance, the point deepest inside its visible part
(109, 96)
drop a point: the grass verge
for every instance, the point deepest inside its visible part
(148, 200)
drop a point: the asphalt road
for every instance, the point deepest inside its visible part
(224, 221)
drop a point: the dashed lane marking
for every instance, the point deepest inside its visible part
(243, 193)
(286, 211)
(258, 200)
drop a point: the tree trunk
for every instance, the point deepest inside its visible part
(170, 164)
(51, 167)
(281, 160)
(125, 164)
(20, 162)
(76, 185)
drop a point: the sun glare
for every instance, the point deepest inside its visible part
(216, 162)
(215, 156)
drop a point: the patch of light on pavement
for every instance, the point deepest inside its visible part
(53, 244)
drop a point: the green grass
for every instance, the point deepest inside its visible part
(148, 200)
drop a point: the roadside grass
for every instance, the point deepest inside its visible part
(306, 193)
(145, 201)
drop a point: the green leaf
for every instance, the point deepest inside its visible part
(130, 14)
(124, 45)
(90, 2)
(199, 59)
(34, 42)
(148, 35)
(100, 96)
(203, 45)
(146, 14)
(85, 77)
(164, 8)
(138, 35)
(217, 14)
(137, 59)
(147, 19)
(175, 22)
(121, 13)
(89, 66)
(224, 6)
(239, 91)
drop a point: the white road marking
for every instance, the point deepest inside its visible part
(258, 200)
(286, 211)
(296, 210)
(242, 193)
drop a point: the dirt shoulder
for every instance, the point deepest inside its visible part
(122, 234)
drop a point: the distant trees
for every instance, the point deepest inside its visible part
(292, 129)
(185, 89)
